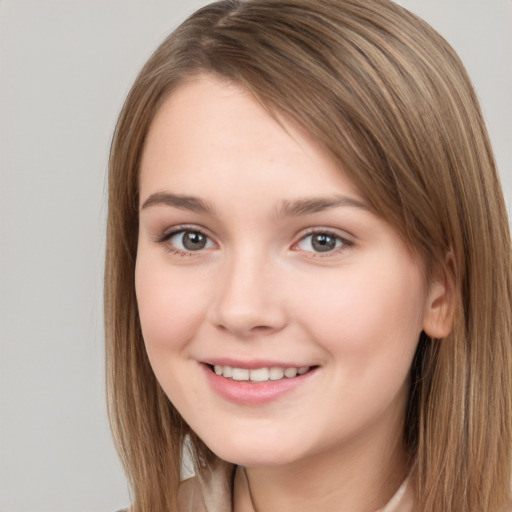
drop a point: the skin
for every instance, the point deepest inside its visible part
(260, 290)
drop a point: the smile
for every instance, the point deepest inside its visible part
(258, 385)
(259, 374)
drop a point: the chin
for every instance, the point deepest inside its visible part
(255, 453)
(255, 460)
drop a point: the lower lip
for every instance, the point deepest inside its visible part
(254, 393)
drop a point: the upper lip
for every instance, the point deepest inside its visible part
(253, 364)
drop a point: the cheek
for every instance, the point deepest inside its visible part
(371, 319)
(368, 325)
(170, 305)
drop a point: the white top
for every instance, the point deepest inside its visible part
(212, 491)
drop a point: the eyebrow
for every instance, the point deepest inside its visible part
(295, 208)
(177, 201)
(308, 206)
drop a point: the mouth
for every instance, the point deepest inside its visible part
(258, 375)
(259, 384)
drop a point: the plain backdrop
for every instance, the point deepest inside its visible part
(65, 68)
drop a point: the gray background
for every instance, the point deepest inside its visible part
(65, 68)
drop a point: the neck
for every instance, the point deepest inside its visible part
(361, 476)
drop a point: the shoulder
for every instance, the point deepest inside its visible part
(211, 491)
(190, 496)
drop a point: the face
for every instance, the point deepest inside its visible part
(279, 313)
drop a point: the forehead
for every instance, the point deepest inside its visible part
(213, 134)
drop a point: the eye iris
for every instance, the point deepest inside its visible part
(323, 242)
(193, 241)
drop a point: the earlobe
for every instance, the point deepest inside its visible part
(440, 304)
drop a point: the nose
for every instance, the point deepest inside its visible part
(249, 302)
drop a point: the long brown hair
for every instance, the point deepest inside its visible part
(389, 99)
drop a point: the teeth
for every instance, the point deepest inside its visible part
(240, 374)
(276, 373)
(290, 372)
(259, 374)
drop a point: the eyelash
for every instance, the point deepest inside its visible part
(166, 237)
(344, 243)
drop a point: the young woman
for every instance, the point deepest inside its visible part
(308, 268)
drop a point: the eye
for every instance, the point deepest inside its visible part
(188, 240)
(321, 242)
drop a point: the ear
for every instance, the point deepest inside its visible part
(440, 303)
